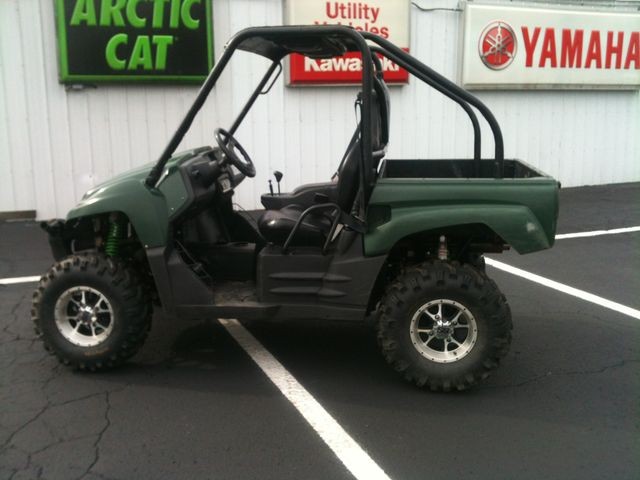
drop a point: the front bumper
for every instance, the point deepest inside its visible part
(57, 241)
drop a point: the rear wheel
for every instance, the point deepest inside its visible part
(444, 326)
(91, 311)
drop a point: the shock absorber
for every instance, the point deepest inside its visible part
(112, 244)
(443, 251)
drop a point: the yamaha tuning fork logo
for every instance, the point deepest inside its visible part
(497, 45)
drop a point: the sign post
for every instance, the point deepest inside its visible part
(134, 40)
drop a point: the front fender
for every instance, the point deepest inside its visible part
(145, 207)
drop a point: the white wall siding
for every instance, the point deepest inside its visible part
(57, 143)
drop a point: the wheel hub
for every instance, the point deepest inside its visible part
(84, 316)
(443, 330)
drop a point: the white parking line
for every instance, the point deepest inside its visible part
(10, 281)
(357, 461)
(589, 297)
(596, 233)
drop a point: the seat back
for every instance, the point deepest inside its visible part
(380, 115)
(348, 178)
(349, 174)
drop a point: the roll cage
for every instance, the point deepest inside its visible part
(326, 41)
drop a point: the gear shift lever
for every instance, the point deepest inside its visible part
(278, 176)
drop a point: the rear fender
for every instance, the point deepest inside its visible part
(516, 224)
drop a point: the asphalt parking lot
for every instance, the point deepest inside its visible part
(192, 404)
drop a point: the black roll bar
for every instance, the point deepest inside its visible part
(184, 126)
(359, 39)
(453, 88)
(367, 84)
(256, 93)
(203, 93)
(377, 63)
(465, 106)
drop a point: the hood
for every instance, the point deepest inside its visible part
(140, 173)
(137, 174)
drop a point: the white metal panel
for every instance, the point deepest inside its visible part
(16, 166)
(55, 144)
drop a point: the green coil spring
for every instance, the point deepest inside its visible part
(112, 245)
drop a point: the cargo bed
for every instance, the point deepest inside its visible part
(417, 195)
(456, 168)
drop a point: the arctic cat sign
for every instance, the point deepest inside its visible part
(387, 18)
(134, 40)
(522, 47)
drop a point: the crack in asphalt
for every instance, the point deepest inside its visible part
(550, 374)
(61, 440)
(56, 371)
(96, 444)
(13, 313)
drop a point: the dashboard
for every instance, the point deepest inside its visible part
(205, 176)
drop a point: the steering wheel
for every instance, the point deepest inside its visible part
(229, 145)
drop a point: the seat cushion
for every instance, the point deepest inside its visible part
(276, 225)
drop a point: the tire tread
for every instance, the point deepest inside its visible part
(137, 308)
(434, 275)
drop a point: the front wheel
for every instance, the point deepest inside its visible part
(91, 311)
(444, 326)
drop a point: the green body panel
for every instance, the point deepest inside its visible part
(522, 211)
(148, 209)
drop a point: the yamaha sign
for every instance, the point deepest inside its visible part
(527, 47)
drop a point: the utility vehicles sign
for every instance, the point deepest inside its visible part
(517, 47)
(134, 40)
(387, 18)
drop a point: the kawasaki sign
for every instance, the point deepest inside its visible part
(134, 40)
(387, 18)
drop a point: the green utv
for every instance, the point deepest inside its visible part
(397, 241)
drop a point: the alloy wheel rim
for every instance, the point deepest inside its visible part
(84, 316)
(443, 330)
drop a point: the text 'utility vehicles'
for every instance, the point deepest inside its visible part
(399, 241)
